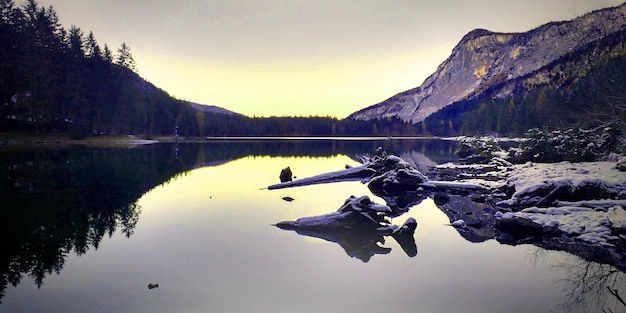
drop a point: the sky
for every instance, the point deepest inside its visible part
(298, 57)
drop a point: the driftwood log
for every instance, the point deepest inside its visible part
(358, 226)
(386, 174)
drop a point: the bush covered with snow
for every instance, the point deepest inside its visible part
(477, 150)
(574, 144)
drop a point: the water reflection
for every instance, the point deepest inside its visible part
(56, 202)
(598, 287)
(66, 200)
(362, 244)
(432, 150)
(591, 283)
(592, 280)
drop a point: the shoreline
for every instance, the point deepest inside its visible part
(9, 138)
(63, 139)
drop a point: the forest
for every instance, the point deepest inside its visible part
(58, 80)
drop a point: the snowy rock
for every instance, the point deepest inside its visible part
(397, 181)
(458, 223)
(575, 227)
(492, 175)
(575, 207)
(543, 184)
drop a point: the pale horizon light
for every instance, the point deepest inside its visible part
(298, 58)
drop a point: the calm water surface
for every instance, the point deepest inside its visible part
(87, 229)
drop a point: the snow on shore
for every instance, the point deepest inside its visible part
(584, 224)
(597, 222)
(530, 177)
(580, 202)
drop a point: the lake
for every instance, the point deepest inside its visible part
(87, 229)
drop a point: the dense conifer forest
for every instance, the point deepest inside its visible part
(54, 79)
(62, 80)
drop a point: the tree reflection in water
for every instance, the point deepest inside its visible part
(58, 199)
(593, 284)
(66, 200)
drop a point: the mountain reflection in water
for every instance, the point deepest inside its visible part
(62, 201)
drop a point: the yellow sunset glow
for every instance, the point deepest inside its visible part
(298, 58)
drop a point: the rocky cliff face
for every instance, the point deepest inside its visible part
(483, 59)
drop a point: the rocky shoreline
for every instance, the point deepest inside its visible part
(574, 207)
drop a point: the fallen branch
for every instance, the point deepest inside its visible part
(349, 174)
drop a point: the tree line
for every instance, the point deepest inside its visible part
(236, 125)
(54, 79)
(61, 80)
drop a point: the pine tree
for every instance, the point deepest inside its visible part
(92, 49)
(75, 42)
(125, 58)
(107, 55)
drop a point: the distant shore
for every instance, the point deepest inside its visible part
(64, 139)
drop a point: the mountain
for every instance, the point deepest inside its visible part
(585, 89)
(148, 88)
(485, 61)
(211, 109)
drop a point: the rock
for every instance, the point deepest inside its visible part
(478, 217)
(441, 198)
(518, 230)
(551, 192)
(405, 237)
(285, 175)
(478, 198)
(458, 223)
(394, 175)
(621, 165)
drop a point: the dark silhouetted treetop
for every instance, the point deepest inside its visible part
(125, 58)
